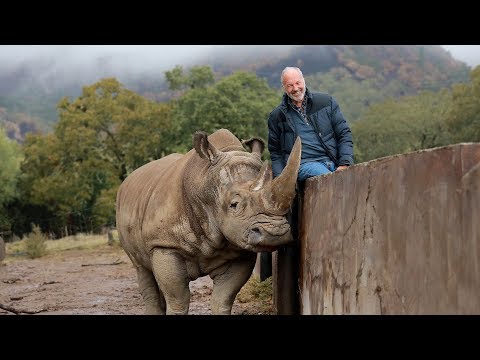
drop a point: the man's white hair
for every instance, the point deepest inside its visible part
(288, 68)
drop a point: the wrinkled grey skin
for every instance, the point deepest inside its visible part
(203, 213)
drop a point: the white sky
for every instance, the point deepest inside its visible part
(145, 56)
(88, 59)
(150, 55)
(469, 54)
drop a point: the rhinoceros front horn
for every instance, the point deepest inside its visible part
(279, 193)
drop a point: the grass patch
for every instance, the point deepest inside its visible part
(77, 242)
(260, 292)
(35, 245)
(74, 242)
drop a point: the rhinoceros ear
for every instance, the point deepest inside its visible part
(205, 148)
(255, 144)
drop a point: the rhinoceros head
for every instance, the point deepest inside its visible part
(242, 201)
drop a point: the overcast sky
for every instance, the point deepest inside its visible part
(469, 54)
(123, 56)
(138, 58)
(149, 55)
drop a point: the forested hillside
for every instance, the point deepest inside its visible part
(357, 75)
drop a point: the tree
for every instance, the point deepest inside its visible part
(463, 119)
(239, 102)
(10, 158)
(199, 77)
(114, 124)
(100, 137)
(403, 125)
(175, 78)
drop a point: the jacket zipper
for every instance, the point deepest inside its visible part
(317, 132)
(319, 135)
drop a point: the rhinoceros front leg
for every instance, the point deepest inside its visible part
(172, 278)
(227, 282)
(152, 297)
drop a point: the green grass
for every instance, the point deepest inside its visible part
(74, 242)
(257, 291)
(35, 243)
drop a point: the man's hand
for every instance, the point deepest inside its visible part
(341, 167)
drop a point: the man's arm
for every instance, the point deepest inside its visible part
(274, 144)
(343, 136)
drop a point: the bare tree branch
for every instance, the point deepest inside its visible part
(116, 262)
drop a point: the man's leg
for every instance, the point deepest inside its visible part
(312, 168)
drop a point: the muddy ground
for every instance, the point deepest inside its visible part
(99, 281)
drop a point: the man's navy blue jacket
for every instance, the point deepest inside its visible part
(324, 114)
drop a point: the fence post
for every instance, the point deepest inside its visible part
(285, 265)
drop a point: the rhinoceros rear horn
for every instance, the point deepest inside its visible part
(205, 148)
(280, 194)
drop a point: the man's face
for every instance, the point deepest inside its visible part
(294, 85)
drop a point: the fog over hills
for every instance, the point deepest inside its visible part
(54, 66)
(33, 78)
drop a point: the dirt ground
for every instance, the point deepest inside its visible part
(99, 281)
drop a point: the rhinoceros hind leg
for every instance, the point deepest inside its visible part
(152, 296)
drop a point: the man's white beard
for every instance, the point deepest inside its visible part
(298, 97)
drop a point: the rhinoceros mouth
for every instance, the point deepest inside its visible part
(266, 234)
(272, 229)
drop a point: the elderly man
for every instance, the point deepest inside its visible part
(327, 143)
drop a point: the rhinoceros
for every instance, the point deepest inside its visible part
(206, 212)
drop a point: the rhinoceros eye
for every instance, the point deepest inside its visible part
(235, 203)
